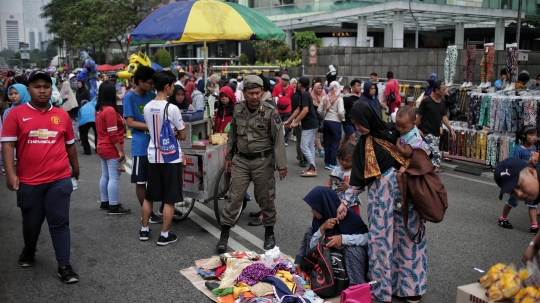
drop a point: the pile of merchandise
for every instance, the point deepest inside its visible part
(246, 277)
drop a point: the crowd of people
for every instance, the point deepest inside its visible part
(363, 147)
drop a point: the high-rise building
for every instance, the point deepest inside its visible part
(20, 22)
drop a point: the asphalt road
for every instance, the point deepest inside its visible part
(114, 266)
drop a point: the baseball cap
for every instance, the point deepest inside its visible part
(286, 69)
(71, 75)
(252, 81)
(39, 74)
(507, 174)
(285, 77)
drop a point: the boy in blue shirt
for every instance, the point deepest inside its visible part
(133, 104)
(501, 83)
(526, 152)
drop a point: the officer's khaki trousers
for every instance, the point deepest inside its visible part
(261, 172)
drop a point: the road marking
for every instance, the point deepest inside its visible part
(235, 245)
(237, 229)
(470, 179)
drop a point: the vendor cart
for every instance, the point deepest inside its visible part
(205, 178)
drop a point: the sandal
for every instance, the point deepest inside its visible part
(308, 174)
(439, 170)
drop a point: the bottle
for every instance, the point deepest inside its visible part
(74, 183)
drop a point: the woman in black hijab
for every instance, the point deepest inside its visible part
(397, 263)
(350, 235)
(82, 93)
(178, 98)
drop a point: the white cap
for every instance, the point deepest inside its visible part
(332, 68)
(71, 76)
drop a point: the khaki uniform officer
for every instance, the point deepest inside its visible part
(254, 127)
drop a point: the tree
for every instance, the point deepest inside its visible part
(163, 58)
(51, 51)
(304, 39)
(530, 21)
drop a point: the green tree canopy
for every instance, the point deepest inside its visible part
(163, 58)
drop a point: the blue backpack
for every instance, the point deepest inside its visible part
(168, 145)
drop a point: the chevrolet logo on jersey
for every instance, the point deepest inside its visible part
(42, 134)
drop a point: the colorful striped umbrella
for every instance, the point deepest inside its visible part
(204, 21)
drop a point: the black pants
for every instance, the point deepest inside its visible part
(47, 201)
(83, 130)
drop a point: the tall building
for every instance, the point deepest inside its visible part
(20, 22)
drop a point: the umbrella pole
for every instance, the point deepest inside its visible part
(205, 66)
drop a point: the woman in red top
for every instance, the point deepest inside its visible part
(225, 109)
(110, 129)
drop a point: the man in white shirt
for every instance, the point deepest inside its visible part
(181, 79)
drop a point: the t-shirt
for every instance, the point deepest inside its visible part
(351, 196)
(110, 129)
(41, 143)
(134, 107)
(284, 98)
(153, 113)
(310, 121)
(498, 85)
(432, 113)
(414, 139)
(348, 102)
(523, 153)
(393, 87)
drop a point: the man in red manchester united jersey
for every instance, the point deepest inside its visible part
(43, 137)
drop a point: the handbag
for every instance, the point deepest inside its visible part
(168, 145)
(360, 293)
(391, 98)
(321, 123)
(328, 276)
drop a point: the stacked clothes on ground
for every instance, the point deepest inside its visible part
(246, 277)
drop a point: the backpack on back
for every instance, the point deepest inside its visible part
(423, 188)
(168, 145)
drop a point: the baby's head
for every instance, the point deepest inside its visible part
(515, 177)
(405, 118)
(345, 156)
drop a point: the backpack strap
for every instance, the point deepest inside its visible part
(166, 112)
(419, 236)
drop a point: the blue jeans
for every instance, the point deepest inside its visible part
(307, 145)
(108, 185)
(512, 202)
(331, 137)
(47, 201)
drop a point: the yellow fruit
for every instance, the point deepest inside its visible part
(495, 271)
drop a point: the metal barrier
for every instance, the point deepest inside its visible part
(244, 70)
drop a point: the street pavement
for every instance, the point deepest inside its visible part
(114, 266)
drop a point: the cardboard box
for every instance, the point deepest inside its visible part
(474, 293)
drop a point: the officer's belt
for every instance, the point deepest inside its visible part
(255, 155)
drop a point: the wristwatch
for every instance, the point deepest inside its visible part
(535, 245)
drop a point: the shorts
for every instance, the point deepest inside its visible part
(514, 203)
(348, 128)
(165, 182)
(139, 174)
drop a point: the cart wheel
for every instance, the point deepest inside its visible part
(184, 207)
(221, 192)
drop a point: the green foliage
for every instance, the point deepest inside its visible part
(243, 59)
(284, 52)
(6, 52)
(163, 58)
(270, 51)
(530, 21)
(304, 39)
(286, 63)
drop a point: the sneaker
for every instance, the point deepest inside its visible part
(177, 215)
(68, 275)
(154, 219)
(321, 154)
(414, 299)
(118, 210)
(26, 259)
(505, 223)
(104, 205)
(286, 144)
(144, 235)
(303, 163)
(534, 230)
(162, 241)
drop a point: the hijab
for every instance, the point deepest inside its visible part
(200, 86)
(54, 87)
(429, 89)
(326, 202)
(435, 76)
(333, 95)
(190, 87)
(317, 97)
(23, 94)
(172, 98)
(66, 92)
(82, 93)
(365, 115)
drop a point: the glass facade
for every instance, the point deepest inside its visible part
(283, 7)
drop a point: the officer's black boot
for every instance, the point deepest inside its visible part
(223, 239)
(269, 239)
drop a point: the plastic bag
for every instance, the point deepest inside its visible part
(227, 128)
(534, 273)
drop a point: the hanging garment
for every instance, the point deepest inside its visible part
(481, 145)
(491, 150)
(486, 65)
(529, 111)
(485, 111)
(505, 115)
(450, 64)
(511, 63)
(473, 113)
(495, 112)
(468, 63)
